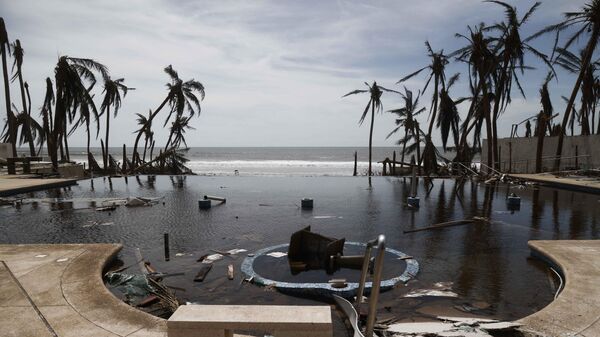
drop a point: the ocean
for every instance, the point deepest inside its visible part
(271, 161)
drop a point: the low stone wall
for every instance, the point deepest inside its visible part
(517, 155)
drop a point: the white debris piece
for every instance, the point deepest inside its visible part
(41, 255)
(236, 251)
(135, 202)
(466, 320)
(499, 325)
(277, 254)
(212, 258)
(431, 292)
(62, 260)
(421, 327)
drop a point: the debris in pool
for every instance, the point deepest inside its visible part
(212, 258)
(499, 326)
(41, 255)
(431, 293)
(440, 329)
(136, 202)
(250, 254)
(338, 283)
(179, 254)
(327, 217)
(106, 208)
(202, 272)
(230, 272)
(236, 251)
(277, 254)
(407, 257)
(107, 224)
(63, 259)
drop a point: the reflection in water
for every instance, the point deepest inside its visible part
(485, 262)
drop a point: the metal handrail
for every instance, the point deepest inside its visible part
(378, 243)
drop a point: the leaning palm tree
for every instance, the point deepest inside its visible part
(542, 121)
(573, 64)
(375, 91)
(177, 134)
(510, 50)
(10, 118)
(407, 120)
(71, 76)
(145, 129)
(482, 62)
(437, 73)
(181, 97)
(18, 54)
(448, 116)
(585, 21)
(112, 98)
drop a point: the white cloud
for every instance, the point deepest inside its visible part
(274, 71)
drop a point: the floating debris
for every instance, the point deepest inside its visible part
(135, 202)
(277, 254)
(230, 272)
(236, 251)
(431, 293)
(202, 273)
(212, 258)
(41, 255)
(327, 217)
(62, 260)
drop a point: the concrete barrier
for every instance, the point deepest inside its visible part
(517, 155)
(223, 320)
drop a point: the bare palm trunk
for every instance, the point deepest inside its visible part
(404, 147)
(87, 129)
(66, 138)
(371, 136)
(145, 148)
(541, 132)
(106, 138)
(25, 111)
(9, 115)
(589, 51)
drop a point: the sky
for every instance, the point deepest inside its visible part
(274, 71)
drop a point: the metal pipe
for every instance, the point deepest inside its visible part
(376, 283)
(363, 276)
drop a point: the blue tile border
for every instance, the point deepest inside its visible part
(325, 289)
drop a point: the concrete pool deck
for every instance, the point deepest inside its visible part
(15, 184)
(57, 290)
(576, 310)
(582, 184)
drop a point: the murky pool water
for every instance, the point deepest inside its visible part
(487, 265)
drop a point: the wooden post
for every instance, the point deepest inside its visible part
(166, 242)
(394, 164)
(124, 166)
(104, 159)
(510, 157)
(385, 167)
(355, 163)
(413, 181)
